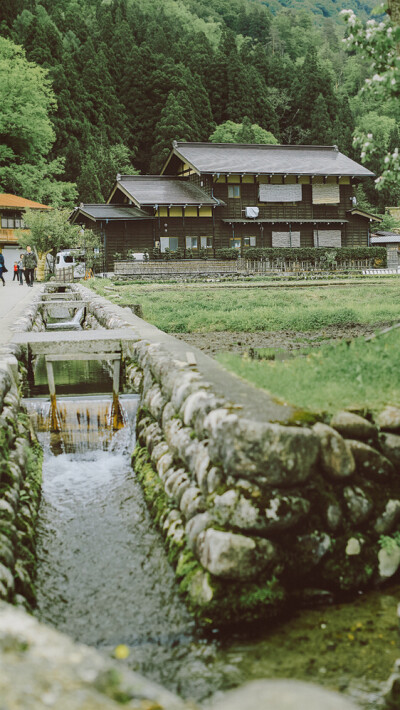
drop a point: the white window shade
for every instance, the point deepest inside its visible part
(285, 239)
(168, 243)
(280, 193)
(327, 238)
(325, 194)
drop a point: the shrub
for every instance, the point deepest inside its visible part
(228, 254)
(316, 255)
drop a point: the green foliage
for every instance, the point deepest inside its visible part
(27, 134)
(228, 254)
(197, 308)
(245, 132)
(379, 41)
(331, 378)
(317, 255)
(130, 77)
(390, 542)
(389, 223)
(50, 231)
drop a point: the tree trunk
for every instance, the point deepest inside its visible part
(41, 267)
(394, 11)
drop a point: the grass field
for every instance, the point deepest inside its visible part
(202, 308)
(361, 374)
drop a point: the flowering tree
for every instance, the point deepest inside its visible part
(379, 41)
(50, 231)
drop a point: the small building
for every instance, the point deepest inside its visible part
(390, 240)
(12, 209)
(227, 195)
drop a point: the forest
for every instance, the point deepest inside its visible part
(104, 86)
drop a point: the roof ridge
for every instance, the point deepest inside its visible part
(275, 146)
(105, 204)
(153, 177)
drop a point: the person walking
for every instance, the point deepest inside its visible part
(29, 264)
(21, 270)
(2, 267)
(15, 271)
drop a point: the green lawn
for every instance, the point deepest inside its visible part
(201, 308)
(362, 374)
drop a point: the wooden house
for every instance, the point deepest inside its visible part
(12, 210)
(221, 195)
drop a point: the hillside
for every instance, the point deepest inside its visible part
(131, 75)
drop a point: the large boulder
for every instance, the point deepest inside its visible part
(282, 695)
(231, 556)
(352, 426)
(271, 454)
(336, 459)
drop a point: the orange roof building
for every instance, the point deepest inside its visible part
(12, 210)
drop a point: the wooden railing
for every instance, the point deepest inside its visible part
(65, 274)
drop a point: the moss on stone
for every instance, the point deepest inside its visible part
(225, 601)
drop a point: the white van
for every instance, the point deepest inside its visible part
(71, 257)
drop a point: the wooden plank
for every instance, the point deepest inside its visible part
(50, 379)
(116, 376)
(71, 295)
(56, 357)
(191, 358)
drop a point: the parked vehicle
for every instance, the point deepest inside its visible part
(71, 257)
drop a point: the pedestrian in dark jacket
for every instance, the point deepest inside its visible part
(29, 262)
(21, 270)
(2, 268)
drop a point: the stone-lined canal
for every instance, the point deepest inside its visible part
(104, 579)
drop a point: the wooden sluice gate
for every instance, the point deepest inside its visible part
(78, 346)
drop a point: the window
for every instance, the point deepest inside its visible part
(233, 191)
(280, 193)
(12, 220)
(325, 194)
(170, 243)
(249, 242)
(242, 242)
(327, 238)
(191, 242)
(285, 239)
(206, 242)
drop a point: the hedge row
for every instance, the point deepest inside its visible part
(314, 255)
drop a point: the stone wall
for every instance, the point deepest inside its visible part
(20, 478)
(257, 511)
(41, 668)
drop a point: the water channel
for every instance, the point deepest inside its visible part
(104, 579)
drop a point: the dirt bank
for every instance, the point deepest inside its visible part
(240, 342)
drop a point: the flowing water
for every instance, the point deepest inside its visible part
(104, 579)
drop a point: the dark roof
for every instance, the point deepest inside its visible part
(382, 233)
(367, 215)
(162, 190)
(385, 238)
(111, 212)
(389, 239)
(286, 220)
(267, 159)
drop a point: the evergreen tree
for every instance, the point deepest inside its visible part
(320, 132)
(88, 183)
(245, 132)
(171, 126)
